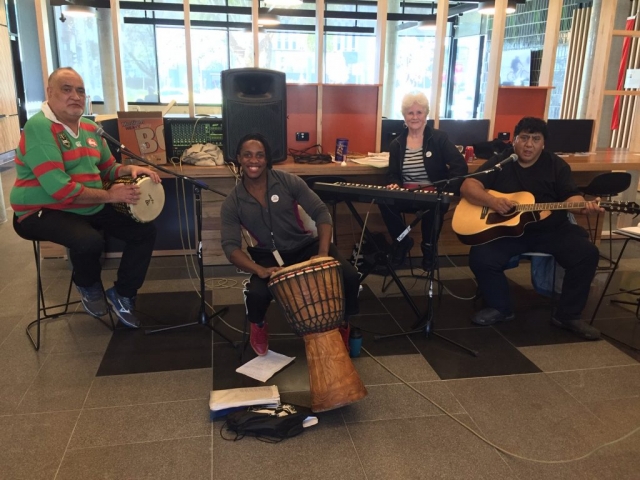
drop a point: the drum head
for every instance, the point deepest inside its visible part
(301, 265)
(151, 200)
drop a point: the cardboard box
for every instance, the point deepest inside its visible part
(143, 134)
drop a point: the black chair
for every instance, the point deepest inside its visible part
(606, 186)
(330, 200)
(62, 308)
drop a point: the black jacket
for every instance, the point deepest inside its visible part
(444, 162)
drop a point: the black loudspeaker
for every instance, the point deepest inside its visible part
(254, 100)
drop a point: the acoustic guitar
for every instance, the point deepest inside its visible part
(477, 225)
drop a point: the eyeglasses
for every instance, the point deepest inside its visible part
(534, 138)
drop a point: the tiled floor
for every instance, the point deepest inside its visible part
(126, 405)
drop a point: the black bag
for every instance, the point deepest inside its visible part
(269, 424)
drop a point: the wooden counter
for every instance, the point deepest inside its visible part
(585, 167)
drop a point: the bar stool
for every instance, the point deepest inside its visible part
(606, 186)
(544, 284)
(42, 308)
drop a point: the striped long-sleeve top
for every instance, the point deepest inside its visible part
(53, 165)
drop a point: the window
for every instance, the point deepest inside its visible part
(291, 47)
(79, 48)
(349, 44)
(465, 76)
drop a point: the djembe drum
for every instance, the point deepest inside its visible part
(151, 198)
(311, 295)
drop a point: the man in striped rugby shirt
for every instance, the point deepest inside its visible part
(58, 196)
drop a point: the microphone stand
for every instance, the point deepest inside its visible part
(425, 324)
(198, 186)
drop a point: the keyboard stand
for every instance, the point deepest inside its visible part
(382, 259)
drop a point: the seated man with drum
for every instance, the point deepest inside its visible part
(265, 203)
(58, 196)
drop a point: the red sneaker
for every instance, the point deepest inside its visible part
(259, 338)
(344, 332)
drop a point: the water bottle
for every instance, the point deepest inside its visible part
(355, 342)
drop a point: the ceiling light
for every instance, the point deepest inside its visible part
(79, 11)
(268, 20)
(489, 8)
(282, 3)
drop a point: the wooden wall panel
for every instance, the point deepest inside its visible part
(9, 133)
(302, 106)
(350, 111)
(8, 104)
(517, 102)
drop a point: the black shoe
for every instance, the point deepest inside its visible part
(491, 316)
(123, 307)
(399, 255)
(93, 300)
(580, 328)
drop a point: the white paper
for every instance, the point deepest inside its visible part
(237, 397)
(265, 366)
(629, 231)
(378, 162)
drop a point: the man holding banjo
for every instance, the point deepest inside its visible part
(62, 165)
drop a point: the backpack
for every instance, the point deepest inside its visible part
(268, 424)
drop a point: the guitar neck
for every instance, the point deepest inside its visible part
(538, 207)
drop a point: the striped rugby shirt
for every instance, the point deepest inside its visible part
(53, 165)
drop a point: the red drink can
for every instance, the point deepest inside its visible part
(469, 155)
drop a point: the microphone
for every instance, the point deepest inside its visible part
(100, 131)
(511, 158)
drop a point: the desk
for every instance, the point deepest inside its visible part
(624, 330)
(585, 167)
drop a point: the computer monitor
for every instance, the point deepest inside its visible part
(569, 136)
(460, 132)
(465, 132)
(390, 129)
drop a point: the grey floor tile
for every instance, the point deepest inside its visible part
(10, 396)
(411, 368)
(601, 384)
(98, 427)
(323, 451)
(530, 415)
(428, 447)
(7, 323)
(62, 383)
(576, 356)
(33, 445)
(615, 462)
(623, 414)
(184, 458)
(386, 402)
(150, 388)
(20, 362)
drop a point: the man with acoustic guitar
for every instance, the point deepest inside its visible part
(548, 178)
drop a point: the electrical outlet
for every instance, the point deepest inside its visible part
(302, 136)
